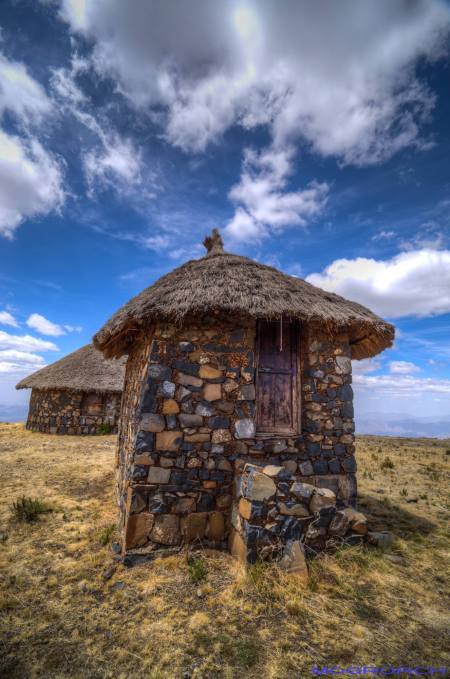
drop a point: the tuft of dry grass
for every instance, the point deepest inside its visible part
(67, 610)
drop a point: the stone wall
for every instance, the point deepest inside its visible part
(273, 510)
(188, 428)
(60, 412)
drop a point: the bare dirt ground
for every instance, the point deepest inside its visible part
(60, 617)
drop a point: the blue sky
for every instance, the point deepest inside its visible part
(315, 135)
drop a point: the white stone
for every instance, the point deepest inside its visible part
(244, 429)
(158, 475)
(259, 487)
(272, 470)
(343, 365)
(322, 497)
(302, 490)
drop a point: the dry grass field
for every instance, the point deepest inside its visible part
(61, 617)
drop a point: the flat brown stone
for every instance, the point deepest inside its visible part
(293, 560)
(143, 459)
(193, 526)
(188, 380)
(184, 505)
(170, 407)
(152, 422)
(237, 546)
(166, 529)
(212, 392)
(216, 526)
(295, 510)
(207, 372)
(245, 508)
(138, 530)
(196, 438)
(168, 440)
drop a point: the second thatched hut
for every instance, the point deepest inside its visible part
(79, 394)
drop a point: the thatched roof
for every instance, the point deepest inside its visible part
(223, 282)
(83, 370)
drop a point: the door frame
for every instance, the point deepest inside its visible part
(295, 328)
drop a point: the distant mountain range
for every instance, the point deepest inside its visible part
(395, 424)
(13, 413)
(371, 423)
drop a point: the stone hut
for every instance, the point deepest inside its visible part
(79, 394)
(237, 417)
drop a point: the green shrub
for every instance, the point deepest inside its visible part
(197, 569)
(104, 429)
(28, 509)
(106, 534)
(387, 463)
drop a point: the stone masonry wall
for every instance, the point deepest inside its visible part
(188, 428)
(59, 412)
(276, 515)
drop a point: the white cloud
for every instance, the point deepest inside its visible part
(30, 182)
(25, 343)
(112, 161)
(339, 75)
(73, 328)
(401, 385)
(30, 177)
(117, 161)
(44, 326)
(8, 319)
(367, 365)
(403, 368)
(415, 283)
(64, 84)
(263, 205)
(428, 237)
(18, 362)
(384, 235)
(20, 94)
(75, 11)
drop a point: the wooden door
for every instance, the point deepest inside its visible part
(92, 404)
(277, 378)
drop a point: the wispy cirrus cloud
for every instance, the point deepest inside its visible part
(7, 318)
(109, 160)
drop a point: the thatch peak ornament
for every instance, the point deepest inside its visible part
(213, 243)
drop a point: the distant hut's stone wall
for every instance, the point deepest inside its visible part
(188, 430)
(63, 411)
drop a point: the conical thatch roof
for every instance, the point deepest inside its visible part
(83, 370)
(223, 282)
